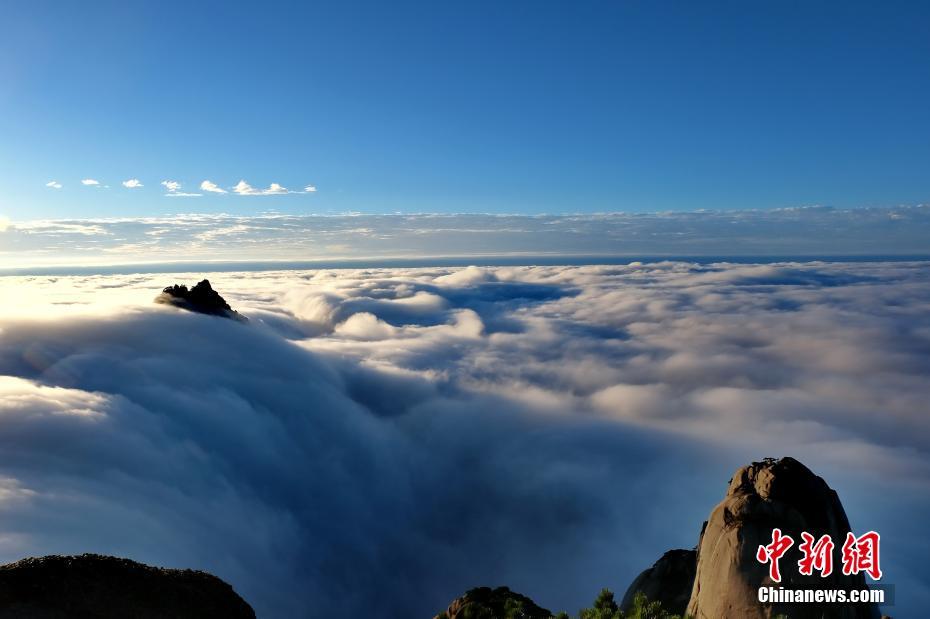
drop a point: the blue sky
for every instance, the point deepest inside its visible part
(513, 107)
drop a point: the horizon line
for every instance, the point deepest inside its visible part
(514, 259)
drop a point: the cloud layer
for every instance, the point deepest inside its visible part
(545, 238)
(378, 440)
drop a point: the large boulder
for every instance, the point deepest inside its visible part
(762, 496)
(499, 603)
(668, 581)
(100, 587)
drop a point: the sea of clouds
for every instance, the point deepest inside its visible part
(376, 441)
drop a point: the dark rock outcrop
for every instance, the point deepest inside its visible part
(668, 581)
(201, 299)
(762, 496)
(487, 603)
(85, 586)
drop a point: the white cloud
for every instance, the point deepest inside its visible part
(310, 189)
(274, 189)
(174, 190)
(132, 183)
(53, 184)
(90, 182)
(211, 187)
(243, 188)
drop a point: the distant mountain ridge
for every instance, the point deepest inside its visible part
(102, 587)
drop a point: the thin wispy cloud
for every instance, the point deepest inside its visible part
(53, 184)
(174, 190)
(132, 183)
(211, 187)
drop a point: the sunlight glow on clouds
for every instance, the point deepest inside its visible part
(368, 425)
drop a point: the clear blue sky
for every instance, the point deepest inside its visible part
(463, 106)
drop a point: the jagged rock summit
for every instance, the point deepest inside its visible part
(60, 587)
(202, 299)
(484, 602)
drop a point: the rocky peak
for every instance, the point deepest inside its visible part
(762, 496)
(721, 579)
(202, 299)
(788, 485)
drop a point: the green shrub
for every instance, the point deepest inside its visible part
(605, 607)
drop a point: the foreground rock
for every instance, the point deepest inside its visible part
(764, 495)
(201, 299)
(721, 579)
(57, 587)
(485, 602)
(668, 581)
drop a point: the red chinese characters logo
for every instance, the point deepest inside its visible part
(773, 552)
(817, 556)
(860, 554)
